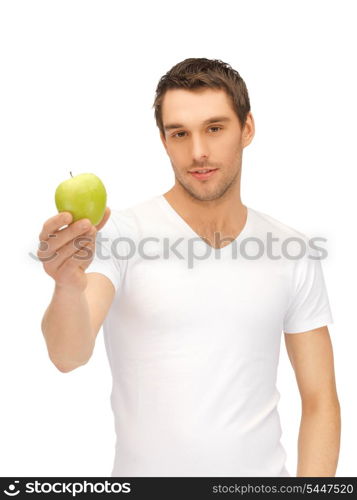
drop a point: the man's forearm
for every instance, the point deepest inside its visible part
(67, 329)
(319, 440)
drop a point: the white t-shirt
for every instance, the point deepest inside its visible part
(193, 338)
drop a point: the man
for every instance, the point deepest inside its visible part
(192, 329)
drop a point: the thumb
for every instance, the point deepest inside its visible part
(104, 220)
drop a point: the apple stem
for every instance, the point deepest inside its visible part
(71, 174)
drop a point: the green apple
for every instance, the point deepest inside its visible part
(84, 196)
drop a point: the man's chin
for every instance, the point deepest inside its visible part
(204, 194)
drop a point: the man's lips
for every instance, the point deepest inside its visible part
(200, 175)
(202, 170)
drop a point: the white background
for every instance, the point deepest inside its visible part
(77, 86)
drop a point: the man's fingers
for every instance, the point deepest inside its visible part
(81, 256)
(61, 238)
(55, 261)
(54, 224)
(51, 228)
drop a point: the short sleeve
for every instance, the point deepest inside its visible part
(309, 305)
(104, 260)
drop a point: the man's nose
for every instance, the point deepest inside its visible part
(199, 149)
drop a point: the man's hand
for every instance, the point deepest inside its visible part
(66, 253)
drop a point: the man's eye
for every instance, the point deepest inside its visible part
(178, 134)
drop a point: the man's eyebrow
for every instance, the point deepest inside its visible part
(214, 119)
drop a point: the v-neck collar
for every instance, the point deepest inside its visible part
(169, 208)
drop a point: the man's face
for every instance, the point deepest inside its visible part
(192, 142)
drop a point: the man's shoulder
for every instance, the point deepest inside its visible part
(129, 219)
(267, 223)
(135, 209)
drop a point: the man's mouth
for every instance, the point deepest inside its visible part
(203, 173)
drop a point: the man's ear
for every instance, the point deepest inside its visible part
(248, 130)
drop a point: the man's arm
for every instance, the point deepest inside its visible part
(80, 301)
(311, 356)
(73, 319)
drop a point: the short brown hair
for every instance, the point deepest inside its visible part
(194, 73)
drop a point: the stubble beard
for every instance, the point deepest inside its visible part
(217, 190)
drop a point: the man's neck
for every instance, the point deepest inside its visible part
(225, 216)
